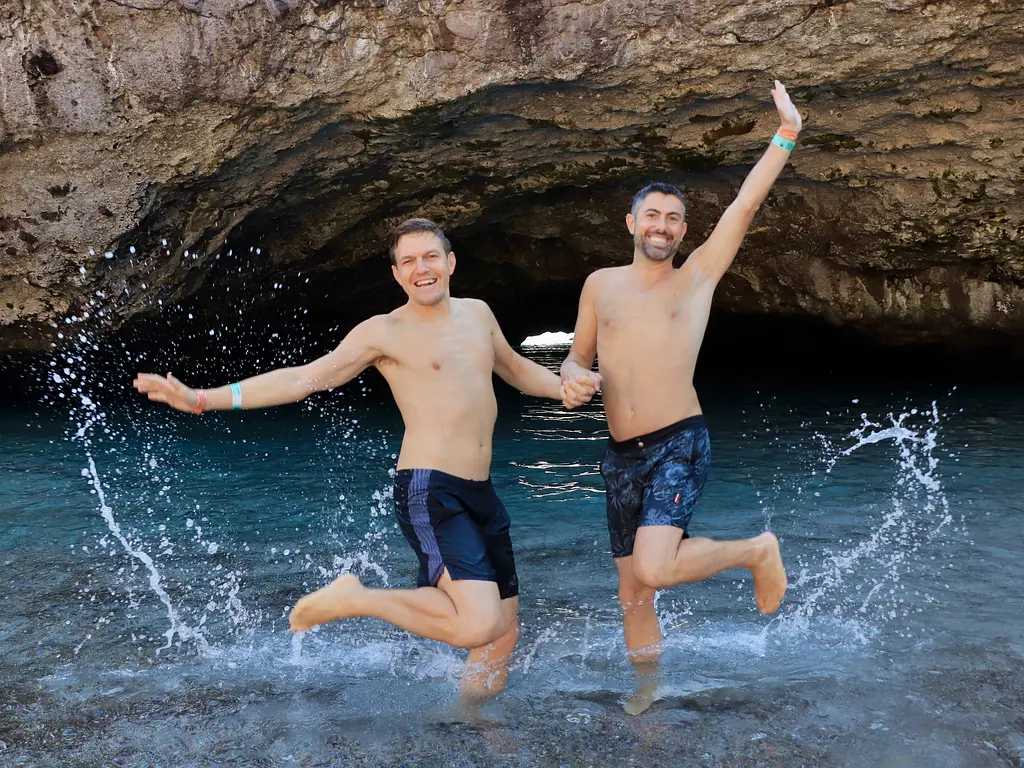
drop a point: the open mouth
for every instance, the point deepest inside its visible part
(425, 283)
(659, 240)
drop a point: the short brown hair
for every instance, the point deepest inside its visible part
(414, 226)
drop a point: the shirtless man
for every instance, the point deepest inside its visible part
(645, 322)
(437, 355)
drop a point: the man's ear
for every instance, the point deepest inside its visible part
(394, 273)
(451, 262)
(631, 223)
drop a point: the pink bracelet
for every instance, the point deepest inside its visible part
(201, 394)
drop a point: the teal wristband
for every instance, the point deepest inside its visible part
(236, 396)
(786, 144)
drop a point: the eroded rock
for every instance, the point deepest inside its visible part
(310, 127)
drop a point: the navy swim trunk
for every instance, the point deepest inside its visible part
(655, 479)
(456, 524)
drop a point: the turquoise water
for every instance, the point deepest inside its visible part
(149, 625)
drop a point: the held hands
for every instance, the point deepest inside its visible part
(168, 390)
(789, 118)
(579, 390)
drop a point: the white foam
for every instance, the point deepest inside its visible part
(549, 339)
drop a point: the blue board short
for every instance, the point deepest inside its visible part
(457, 524)
(655, 479)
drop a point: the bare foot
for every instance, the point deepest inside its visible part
(332, 602)
(645, 665)
(471, 704)
(480, 683)
(641, 699)
(769, 575)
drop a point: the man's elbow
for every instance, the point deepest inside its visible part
(305, 384)
(746, 207)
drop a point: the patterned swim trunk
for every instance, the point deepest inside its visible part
(655, 479)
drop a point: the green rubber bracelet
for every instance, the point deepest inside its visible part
(236, 397)
(786, 144)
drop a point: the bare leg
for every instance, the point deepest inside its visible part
(487, 667)
(643, 635)
(464, 613)
(664, 559)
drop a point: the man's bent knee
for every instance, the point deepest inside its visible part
(478, 630)
(652, 575)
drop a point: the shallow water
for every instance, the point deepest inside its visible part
(149, 627)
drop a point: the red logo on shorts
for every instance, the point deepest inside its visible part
(676, 501)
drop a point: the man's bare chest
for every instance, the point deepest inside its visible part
(441, 355)
(638, 313)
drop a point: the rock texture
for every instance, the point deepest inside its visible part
(307, 128)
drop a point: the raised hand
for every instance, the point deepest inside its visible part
(580, 390)
(168, 390)
(789, 118)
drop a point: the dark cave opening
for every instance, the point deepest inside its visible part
(208, 342)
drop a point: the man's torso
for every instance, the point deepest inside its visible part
(440, 376)
(647, 345)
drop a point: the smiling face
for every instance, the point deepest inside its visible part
(422, 267)
(657, 226)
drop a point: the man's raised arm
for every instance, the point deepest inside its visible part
(713, 258)
(357, 351)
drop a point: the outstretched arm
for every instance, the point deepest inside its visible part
(713, 258)
(357, 351)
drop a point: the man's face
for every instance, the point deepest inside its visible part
(422, 267)
(658, 227)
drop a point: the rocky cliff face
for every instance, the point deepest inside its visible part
(142, 141)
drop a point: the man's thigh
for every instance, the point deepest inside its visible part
(656, 545)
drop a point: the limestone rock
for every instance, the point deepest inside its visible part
(309, 127)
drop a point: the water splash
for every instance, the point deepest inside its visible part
(178, 627)
(864, 585)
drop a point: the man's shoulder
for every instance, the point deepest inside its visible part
(384, 320)
(476, 306)
(605, 276)
(377, 328)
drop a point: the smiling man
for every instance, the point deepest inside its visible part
(645, 323)
(438, 355)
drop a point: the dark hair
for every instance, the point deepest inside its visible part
(658, 186)
(413, 226)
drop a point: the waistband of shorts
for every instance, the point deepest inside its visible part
(405, 475)
(657, 436)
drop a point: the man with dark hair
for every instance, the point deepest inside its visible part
(645, 323)
(658, 186)
(438, 355)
